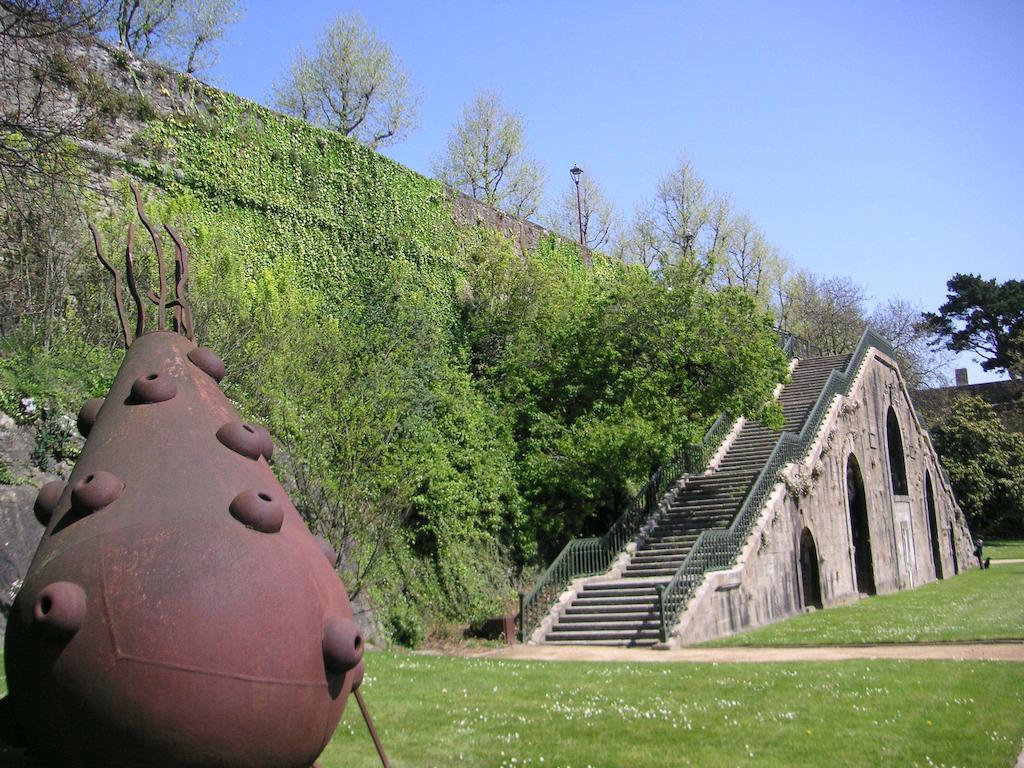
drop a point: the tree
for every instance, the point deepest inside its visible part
(984, 317)
(181, 34)
(34, 121)
(685, 226)
(827, 311)
(985, 463)
(485, 158)
(922, 365)
(352, 83)
(639, 243)
(748, 261)
(603, 375)
(1015, 356)
(596, 213)
(41, 179)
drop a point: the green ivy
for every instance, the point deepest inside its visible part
(338, 210)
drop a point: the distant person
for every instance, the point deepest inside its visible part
(977, 551)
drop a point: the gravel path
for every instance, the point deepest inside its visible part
(1002, 651)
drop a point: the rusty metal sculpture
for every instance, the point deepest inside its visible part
(177, 612)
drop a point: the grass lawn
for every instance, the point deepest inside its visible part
(976, 605)
(446, 711)
(438, 711)
(1004, 549)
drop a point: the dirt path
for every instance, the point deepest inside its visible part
(948, 651)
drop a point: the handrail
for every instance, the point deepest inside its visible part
(718, 549)
(796, 346)
(595, 554)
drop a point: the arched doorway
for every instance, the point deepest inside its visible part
(933, 524)
(810, 577)
(897, 461)
(859, 529)
(952, 550)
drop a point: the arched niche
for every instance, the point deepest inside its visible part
(933, 524)
(952, 550)
(810, 576)
(897, 459)
(860, 531)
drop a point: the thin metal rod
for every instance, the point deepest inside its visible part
(373, 731)
(118, 299)
(129, 258)
(154, 236)
(182, 315)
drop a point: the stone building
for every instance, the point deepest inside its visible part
(868, 511)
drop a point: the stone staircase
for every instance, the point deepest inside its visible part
(624, 610)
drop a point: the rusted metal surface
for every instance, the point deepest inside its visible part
(177, 612)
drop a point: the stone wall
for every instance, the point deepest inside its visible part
(470, 212)
(767, 583)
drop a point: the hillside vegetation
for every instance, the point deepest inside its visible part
(449, 409)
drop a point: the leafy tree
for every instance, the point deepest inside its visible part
(827, 311)
(922, 365)
(1015, 356)
(686, 224)
(595, 213)
(985, 317)
(181, 34)
(749, 261)
(985, 463)
(603, 374)
(34, 122)
(639, 243)
(352, 83)
(486, 158)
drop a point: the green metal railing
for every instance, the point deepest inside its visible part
(594, 555)
(718, 549)
(795, 346)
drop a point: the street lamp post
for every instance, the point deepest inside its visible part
(576, 172)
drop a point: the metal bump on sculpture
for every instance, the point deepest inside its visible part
(59, 610)
(342, 644)
(153, 388)
(243, 439)
(95, 491)
(87, 415)
(208, 361)
(267, 443)
(47, 500)
(328, 550)
(358, 675)
(258, 510)
(162, 564)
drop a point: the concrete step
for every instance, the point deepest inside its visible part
(556, 635)
(601, 602)
(620, 584)
(639, 592)
(666, 571)
(634, 627)
(638, 643)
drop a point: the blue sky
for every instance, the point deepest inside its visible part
(882, 141)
